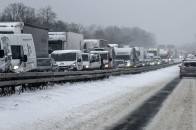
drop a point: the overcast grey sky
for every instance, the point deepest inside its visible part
(172, 21)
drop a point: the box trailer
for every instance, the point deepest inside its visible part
(65, 41)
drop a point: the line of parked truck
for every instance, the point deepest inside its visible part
(25, 47)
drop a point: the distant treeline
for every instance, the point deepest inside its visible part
(48, 18)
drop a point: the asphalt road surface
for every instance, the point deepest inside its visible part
(179, 110)
(140, 117)
(171, 108)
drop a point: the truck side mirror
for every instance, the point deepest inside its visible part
(2, 53)
(24, 59)
(79, 60)
(110, 59)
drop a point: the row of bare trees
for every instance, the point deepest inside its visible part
(48, 18)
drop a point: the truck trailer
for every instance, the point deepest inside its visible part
(40, 35)
(95, 44)
(65, 41)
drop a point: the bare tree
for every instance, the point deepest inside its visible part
(59, 26)
(113, 34)
(46, 16)
(19, 12)
(77, 28)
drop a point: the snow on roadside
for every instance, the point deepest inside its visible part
(35, 108)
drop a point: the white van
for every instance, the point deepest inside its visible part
(23, 52)
(68, 59)
(5, 54)
(95, 62)
(106, 57)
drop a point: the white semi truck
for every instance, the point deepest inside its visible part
(95, 44)
(39, 34)
(65, 41)
(125, 57)
(141, 52)
(151, 52)
(164, 54)
(17, 53)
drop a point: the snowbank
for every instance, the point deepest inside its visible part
(43, 109)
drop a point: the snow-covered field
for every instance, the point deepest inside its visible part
(83, 105)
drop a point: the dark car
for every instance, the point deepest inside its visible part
(46, 65)
(188, 68)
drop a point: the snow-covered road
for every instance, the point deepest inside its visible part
(83, 105)
(179, 110)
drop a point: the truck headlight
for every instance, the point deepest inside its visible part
(16, 67)
(152, 63)
(106, 66)
(73, 65)
(128, 64)
(86, 66)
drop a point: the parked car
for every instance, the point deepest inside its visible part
(188, 68)
(46, 65)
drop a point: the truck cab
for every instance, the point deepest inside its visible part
(124, 57)
(19, 52)
(23, 52)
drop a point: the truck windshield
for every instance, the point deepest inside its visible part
(85, 57)
(122, 57)
(153, 52)
(104, 56)
(43, 62)
(64, 57)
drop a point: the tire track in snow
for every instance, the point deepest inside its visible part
(139, 118)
